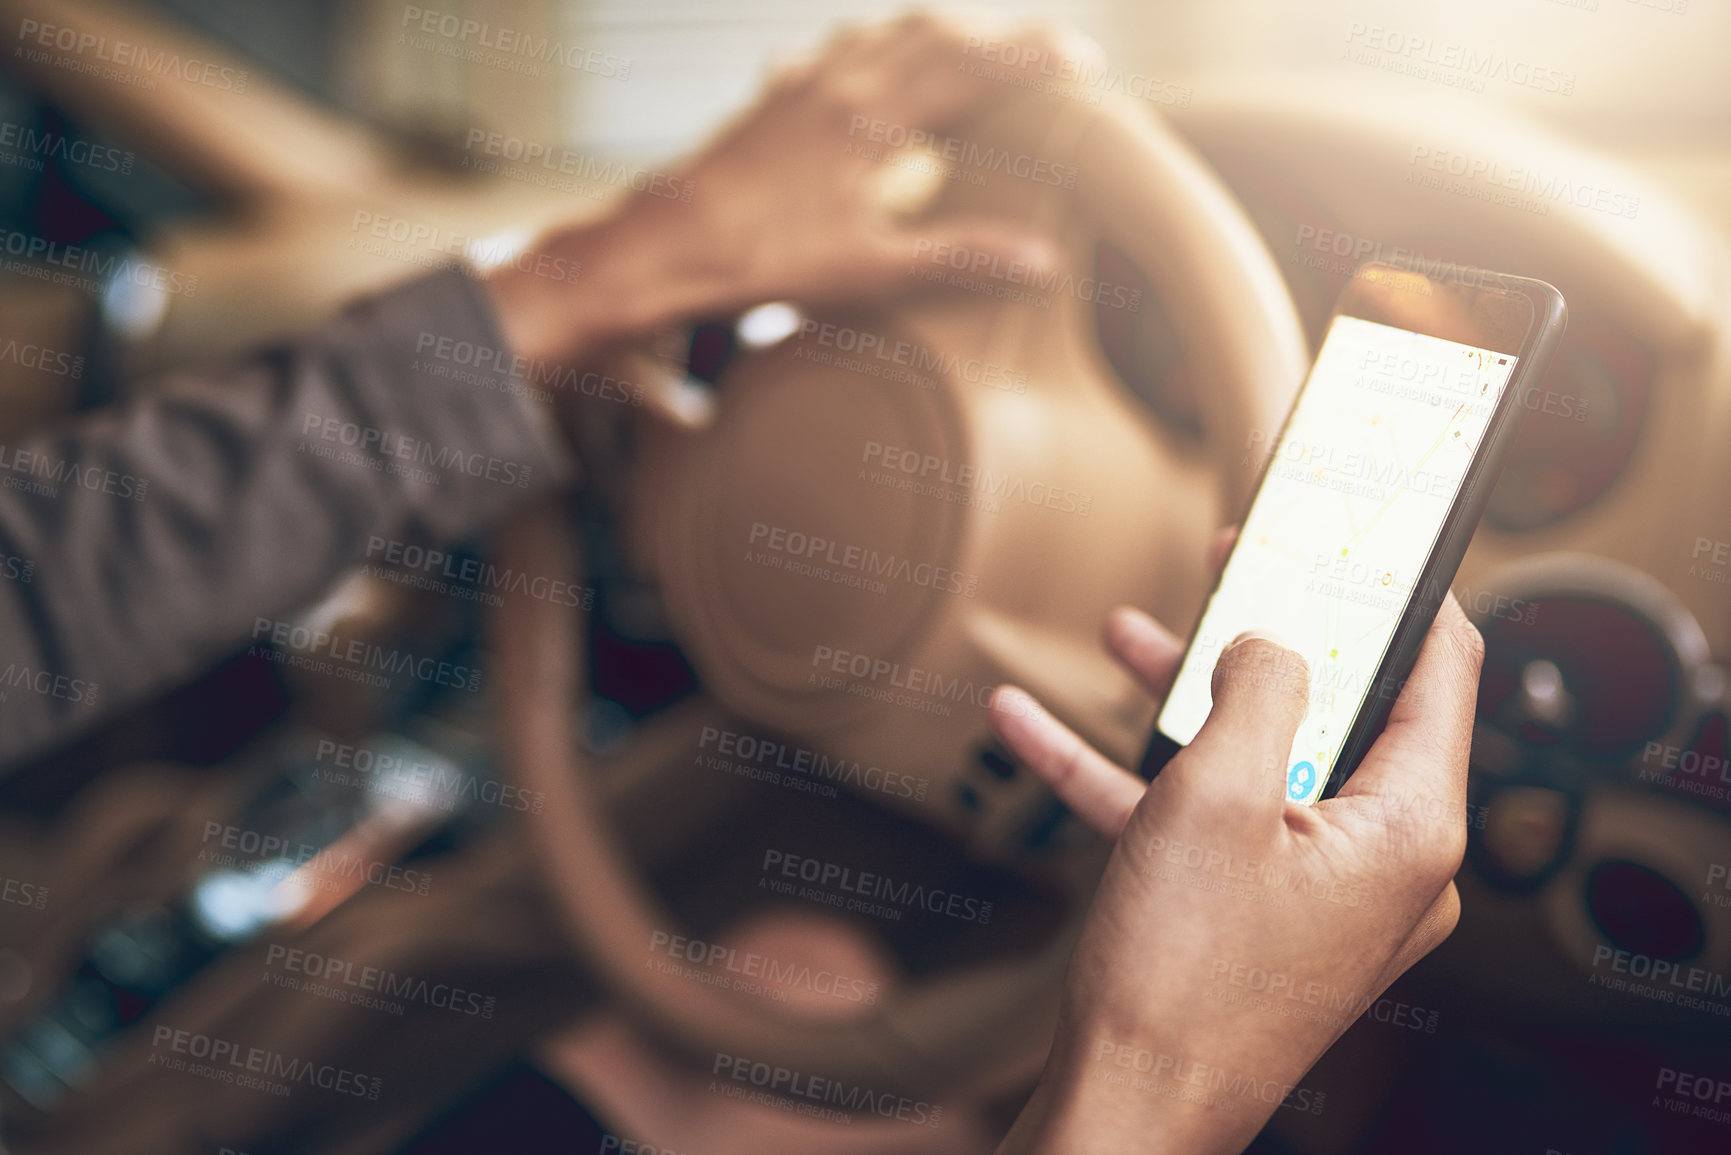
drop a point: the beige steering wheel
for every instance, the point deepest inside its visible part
(1092, 503)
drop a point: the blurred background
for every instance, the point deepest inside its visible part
(1587, 992)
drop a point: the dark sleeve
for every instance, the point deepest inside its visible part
(142, 543)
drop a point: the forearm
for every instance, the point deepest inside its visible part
(242, 522)
(160, 533)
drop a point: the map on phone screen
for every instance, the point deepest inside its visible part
(1355, 493)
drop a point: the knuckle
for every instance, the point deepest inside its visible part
(1436, 850)
(1061, 40)
(1447, 849)
(1470, 641)
(920, 22)
(946, 30)
(1214, 800)
(1209, 801)
(1041, 35)
(838, 97)
(1450, 916)
(849, 36)
(1423, 849)
(1189, 769)
(1441, 920)
(1461, 636)
(793, 80)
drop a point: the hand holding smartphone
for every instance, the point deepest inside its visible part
(1369, 497)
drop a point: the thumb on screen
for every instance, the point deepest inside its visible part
(1261, 693)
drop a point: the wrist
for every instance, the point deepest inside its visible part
(1113, 1098)
(584, 287)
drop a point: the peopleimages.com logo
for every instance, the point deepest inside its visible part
(35, 146)
(815, 1095)
(121, 60)
(354, 659)
(863, 891)
(718, 964)
(1207, 1084)
(342, 980)
(754, 757)
(238, 847)
(377, 447)
(827, 559)
(225, 1061)
(89, 268)
(500, 46)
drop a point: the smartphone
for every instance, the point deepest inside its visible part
(1368, 497)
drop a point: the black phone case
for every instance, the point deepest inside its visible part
(1551, 319)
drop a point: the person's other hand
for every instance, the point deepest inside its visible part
(1235, 935)
(784, 203)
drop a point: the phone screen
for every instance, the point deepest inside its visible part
(1355, 493)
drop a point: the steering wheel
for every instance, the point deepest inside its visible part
(897, 508)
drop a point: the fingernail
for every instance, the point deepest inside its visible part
(1263, 635)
